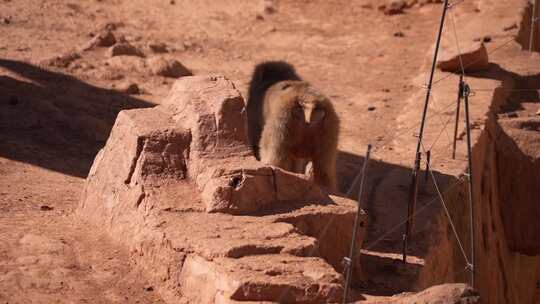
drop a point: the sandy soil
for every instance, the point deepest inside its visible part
(54, 119)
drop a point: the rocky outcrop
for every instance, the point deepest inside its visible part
(505, 160)
(171, 182)
(124, 49)
(104, 38)
(472, 57)
(526, 26)
(516, 159)
(167, 67)
(505, 174)
(444, 294)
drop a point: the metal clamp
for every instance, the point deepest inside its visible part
(466, 90)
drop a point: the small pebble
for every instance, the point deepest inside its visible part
(128, 87)
(168, 67)
(124, 49)
(268, 7)
(371, 108)
(158, 47)
(46, 208)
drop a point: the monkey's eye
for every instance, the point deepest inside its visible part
(318, 115)
(298, 112)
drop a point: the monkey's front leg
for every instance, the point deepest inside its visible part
(278, 158)
(324, 170)
(273, 150)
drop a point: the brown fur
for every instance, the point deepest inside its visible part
(299, 125)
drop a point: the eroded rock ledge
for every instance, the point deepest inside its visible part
(171, 183)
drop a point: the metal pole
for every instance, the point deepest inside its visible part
(422, 125)
(460, 96)
(413, 197)
(533, 22)
(349, 262)
(430, 82)
(466, 91)
(428, 163)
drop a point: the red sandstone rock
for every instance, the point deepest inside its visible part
(158, 47)
(517, 153)
(474, 57)
(214, 110)
(61, 61)
(168, 67)
(163, 167)
(104, 38)
(443, 294)
(127, 87)
(393, 7)
(247, 190)
(267, 7)
(125, 49)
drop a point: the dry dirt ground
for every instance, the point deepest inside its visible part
(53, 119)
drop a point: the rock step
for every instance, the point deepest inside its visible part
(179, 186)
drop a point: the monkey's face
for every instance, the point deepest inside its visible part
(305, 103)
(308, 113)
(305, 128)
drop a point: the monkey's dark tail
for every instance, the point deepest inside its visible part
(264, 76)
(267, 74)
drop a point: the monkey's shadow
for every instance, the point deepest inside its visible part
(53, 120)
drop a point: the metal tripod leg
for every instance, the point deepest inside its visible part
(460, 96)
(413, 197)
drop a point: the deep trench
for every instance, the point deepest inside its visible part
(506, 178)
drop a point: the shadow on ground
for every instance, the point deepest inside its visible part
(526, 88)
(53, 120)
(386, 202)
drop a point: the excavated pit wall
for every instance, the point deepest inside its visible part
(524, 36)
(506, 171)
(506, 168)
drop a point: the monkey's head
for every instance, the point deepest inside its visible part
(307, 106)
(308, 115)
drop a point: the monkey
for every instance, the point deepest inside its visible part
(290, 123)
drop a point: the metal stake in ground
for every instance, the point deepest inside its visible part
(534, 19)
(428, 164)
(413, 198)
(422, 125)
(460, 96)
(466, 92)
(349, 262)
